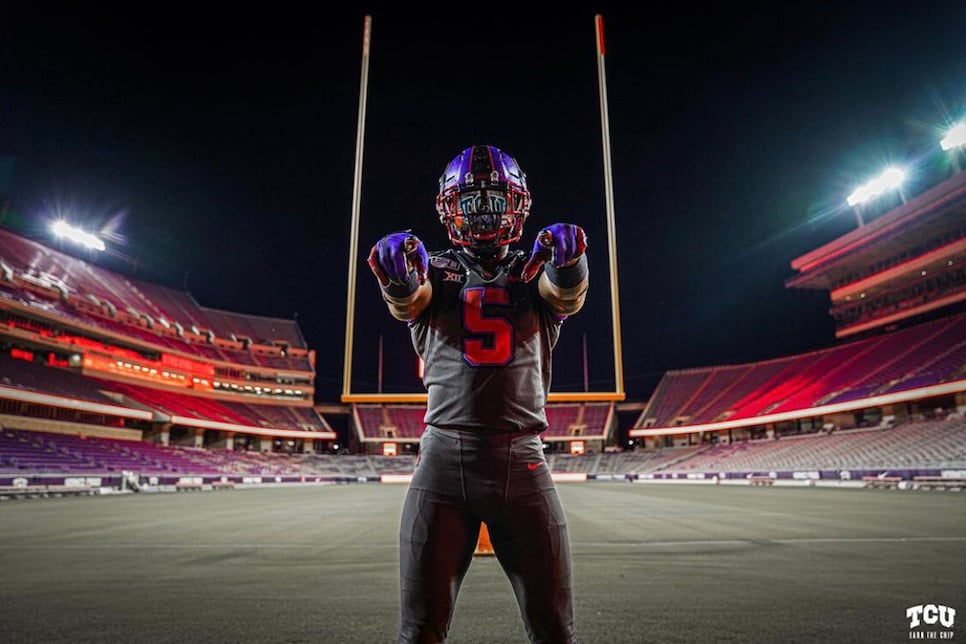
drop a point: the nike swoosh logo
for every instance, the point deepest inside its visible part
(532, 466)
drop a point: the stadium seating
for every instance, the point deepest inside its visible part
(561, 418)
(374, 421)
(40, 453)
(802, 375)
(920, 445)
(29, 376)
(25, 452)
(910, 356)
(406, 421)
(37, 264)
(570, 419)
(676, 393)
(644, 460)
(83, 307)
(916, 445)
(284, 416)
(918, 356)
(83, 296)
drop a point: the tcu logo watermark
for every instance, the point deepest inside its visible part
(931, 615)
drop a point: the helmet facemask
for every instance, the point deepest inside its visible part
(485, 208)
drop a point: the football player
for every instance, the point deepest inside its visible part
(485, 326)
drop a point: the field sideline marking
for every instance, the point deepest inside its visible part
(592, 544)
(732, 542)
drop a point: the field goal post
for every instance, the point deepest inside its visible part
(612, 396)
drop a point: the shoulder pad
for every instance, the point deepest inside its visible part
(515, 262)
(444, 262)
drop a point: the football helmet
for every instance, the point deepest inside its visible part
(483, 199)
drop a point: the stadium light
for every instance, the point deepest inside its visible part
(78, 236)
(891, 179)
(955, 138)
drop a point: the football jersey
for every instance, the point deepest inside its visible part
(486, 345)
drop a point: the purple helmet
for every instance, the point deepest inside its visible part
(483, 198)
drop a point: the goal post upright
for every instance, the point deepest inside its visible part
(613, 396)
(609, 205)
(356, 205)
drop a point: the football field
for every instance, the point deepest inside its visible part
(652, 563)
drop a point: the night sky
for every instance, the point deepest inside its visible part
(216, 151)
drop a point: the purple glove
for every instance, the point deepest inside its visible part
(395, 256)
(559, 244)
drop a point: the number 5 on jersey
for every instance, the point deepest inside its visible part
(489, 338)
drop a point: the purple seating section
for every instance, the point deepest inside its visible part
(179, 306)
(595, 418)
(672, 393)
(946, 366)
(157, 338)
(910, 348)
(739, 383)
(27, 452)
(16, 293)
(391, 421)
(560, 419)
(919, 356)
(406, 421)
(24, 453)
(373, 419)
(211, 352)
(925, 444)
(171, 305)
(801, 375)
(643, 461)
(927, 354)
(33, 452)
(258, 329)
(32, 261)
(577, 419)
(28, 376)
(720, 380)
(177, 404)
(249, 415)
(279, 415)
(934, 444)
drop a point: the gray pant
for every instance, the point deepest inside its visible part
(461, 479)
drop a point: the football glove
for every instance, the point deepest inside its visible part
(397, 255)
(559, 244)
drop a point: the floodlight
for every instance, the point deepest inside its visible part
(956, 137)
(63, 229)
(889, 180)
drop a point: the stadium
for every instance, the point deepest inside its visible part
(168, 472)
(113, 386)
(113, 382)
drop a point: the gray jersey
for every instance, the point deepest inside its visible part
(486, 345)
